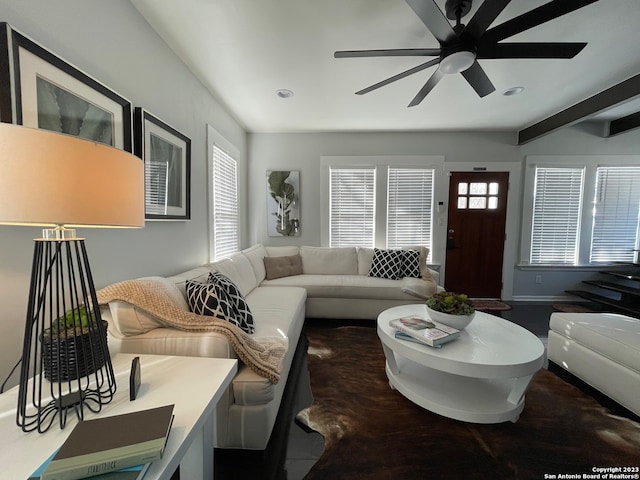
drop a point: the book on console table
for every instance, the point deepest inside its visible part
(106, 444)
(423, 331)
(136, 472)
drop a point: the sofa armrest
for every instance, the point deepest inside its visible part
(169, 341)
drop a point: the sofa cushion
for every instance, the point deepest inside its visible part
(238, 269)
(255, 254)
(424, 254)
(209, 299)
(198, 274)
(410, 263)
(285, 266)
(611, 335)
(281, 313)
(365, 259)
(241, 311)
(419, 287)
(282, 251)
(128, 320)
(329, 261)
(386, 264)
(344, 286)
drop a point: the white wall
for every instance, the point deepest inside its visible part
(111, 41)
(462, 151)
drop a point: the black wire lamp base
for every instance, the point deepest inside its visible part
(66, 364)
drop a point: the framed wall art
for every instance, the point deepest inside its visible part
(167, 167)
(283, 203)
(41, 90)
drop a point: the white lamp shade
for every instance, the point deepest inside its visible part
(51, 179)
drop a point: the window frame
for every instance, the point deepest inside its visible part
(590, 163)
(381, 164)
(214, 139)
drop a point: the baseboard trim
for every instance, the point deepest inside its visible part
(548, 299)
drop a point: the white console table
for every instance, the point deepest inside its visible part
(193, 384)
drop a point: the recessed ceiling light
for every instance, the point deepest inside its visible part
(284, 93)
(513, 91)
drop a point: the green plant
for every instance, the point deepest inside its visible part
(73, 320)
(451, 303)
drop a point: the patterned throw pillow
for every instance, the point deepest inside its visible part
(410, 264)
(386, 264)
(243, 317)
(209, 299)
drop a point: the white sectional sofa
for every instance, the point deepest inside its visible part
(602, 349)
(312, 282)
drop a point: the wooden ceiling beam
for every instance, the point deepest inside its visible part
(624, 124)
(611, 97)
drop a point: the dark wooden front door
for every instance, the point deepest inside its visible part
(476, 233)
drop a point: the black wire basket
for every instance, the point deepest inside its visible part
(69, 356)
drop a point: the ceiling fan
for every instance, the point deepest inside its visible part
(461, 46)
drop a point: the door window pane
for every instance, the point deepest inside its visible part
(477, 203)
(478, 188)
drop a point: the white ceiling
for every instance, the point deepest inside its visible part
(245, 50)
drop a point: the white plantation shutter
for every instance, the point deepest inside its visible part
(352, 207)
(225, 204)
(409, 207)
(556, 215)
(615, 218)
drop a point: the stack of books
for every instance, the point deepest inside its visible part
(120, 447)
(423, 331)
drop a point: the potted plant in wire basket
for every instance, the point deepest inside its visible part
(452, 309)
(73, 348)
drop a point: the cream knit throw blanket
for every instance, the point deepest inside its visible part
(262, 355)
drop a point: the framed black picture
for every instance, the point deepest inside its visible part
(167, 167)
(38, 89)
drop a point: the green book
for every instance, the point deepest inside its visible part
(107, 444)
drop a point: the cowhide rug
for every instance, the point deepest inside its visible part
(373, 432)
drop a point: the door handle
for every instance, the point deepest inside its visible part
(450, 242)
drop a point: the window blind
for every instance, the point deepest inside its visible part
(225, 204)
(409, 207)
(556, 215)
(352, 207)
(615, 215)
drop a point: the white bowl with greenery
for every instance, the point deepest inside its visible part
(452, 309)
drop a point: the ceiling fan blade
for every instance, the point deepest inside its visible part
(533, 18)
(424, 91)
(530, 50)
(478, 79)
(399, 76)
(398, 52)
(483, 18)
(434, 19)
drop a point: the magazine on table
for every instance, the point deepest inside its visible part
(424, 331)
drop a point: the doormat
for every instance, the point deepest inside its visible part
(568, 308)
(372, 432)
(489, 305)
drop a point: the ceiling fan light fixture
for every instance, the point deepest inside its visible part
(457, 62)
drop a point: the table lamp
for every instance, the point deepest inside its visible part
(59, 181)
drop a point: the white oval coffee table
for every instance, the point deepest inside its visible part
(480, 377)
